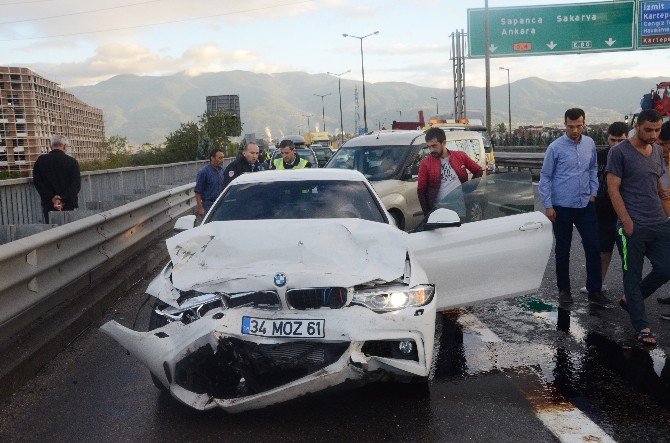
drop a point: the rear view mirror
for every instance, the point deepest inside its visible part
(184, 223)
(442, 218)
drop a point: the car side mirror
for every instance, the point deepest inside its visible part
(184, 223)
(442, 218)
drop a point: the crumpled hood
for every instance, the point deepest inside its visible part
(235, 256)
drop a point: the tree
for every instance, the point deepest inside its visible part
(218, 127)
(182, 144)
(115, 144)
(205, 145)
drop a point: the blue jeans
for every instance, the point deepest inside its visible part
(654, 243)
(586, 221)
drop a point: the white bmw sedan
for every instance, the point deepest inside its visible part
(298, 281)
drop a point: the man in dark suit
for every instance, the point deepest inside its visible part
(57, 179)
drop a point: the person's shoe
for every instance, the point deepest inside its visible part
(663, 300)
(603, 288)
(597, 298)
(665, 316)
(565, 296)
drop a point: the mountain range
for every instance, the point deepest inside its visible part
(148, 108)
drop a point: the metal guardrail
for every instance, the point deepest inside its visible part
(519, 160)
(20, 202)
(35, 267)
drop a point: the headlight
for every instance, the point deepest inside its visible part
(392, 298)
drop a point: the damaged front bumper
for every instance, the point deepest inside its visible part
(212, 363)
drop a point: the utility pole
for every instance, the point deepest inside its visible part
(323, 109)
(339, 90)
(365, 109)
(509, 100)
(357, 114)
(487, 65)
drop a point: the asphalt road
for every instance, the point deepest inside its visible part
(516, 370)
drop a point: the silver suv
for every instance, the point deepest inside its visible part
(390, 161)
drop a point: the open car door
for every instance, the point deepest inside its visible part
(500, 250)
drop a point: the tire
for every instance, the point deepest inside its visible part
(399, 219)
(156, 321)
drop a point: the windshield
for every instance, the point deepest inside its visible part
(491, 196)
(298, 200)
(304, 153)
(322, 153)
(374, 162)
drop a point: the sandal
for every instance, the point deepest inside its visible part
(642, 338)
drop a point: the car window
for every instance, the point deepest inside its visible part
(491, 196)
(298, 200)
(374, 162)
(413, 168)
(323, 153)
(470, 146)
(307, 154)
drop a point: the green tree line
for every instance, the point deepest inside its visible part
(191, 141)
(501, 137)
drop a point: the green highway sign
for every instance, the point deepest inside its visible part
(553, 29)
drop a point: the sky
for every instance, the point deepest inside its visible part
(78, 42)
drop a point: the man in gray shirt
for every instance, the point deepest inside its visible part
(634, 171)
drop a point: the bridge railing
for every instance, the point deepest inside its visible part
(35, 267)
(100, 190)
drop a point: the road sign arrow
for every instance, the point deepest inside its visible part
(551, 45)
(493, 48)
(610, 42)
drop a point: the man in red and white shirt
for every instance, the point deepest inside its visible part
(442, 171)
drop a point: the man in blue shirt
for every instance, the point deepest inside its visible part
(568, 189)
(209, 183)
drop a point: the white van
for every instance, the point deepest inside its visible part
(390, 161)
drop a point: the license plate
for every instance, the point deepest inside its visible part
(283, 327)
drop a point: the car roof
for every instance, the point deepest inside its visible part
(381, 138)
(300, 174)
(403, 138)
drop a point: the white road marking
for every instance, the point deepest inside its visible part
(559, 416)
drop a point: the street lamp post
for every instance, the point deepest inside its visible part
(365, 111)
(509, 100)
(323, 110)
(308, 116)
(399, 111)
(437, 105)
(339, 90)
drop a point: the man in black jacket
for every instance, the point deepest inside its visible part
(57, 179)
(246, 162)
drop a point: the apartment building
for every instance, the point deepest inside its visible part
(33, 108)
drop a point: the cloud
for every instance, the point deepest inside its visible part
(116, 58)
(405, 49)
(73, 16)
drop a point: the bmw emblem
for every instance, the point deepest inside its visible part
(280, 279)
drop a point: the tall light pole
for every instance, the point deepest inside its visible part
(308, 116)
(365, 111)
(323, 110)
(509, 100)
(399, 111)
(437, 105)
(339, 90)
